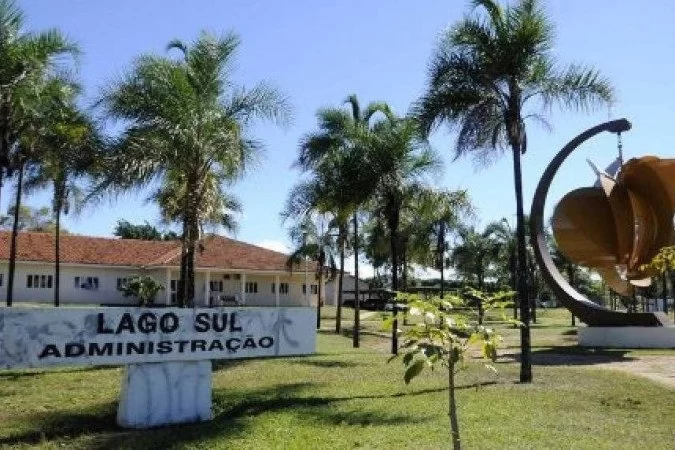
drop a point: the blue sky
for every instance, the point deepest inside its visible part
(318, 52)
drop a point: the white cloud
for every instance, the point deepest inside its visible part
(277, 246)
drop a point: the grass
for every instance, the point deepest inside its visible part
(347, 398)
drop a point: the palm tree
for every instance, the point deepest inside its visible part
(570, 269)
(27, 61)
(311, 197)
(67, 146)
(314, 241)
(402, 158)
(473, 256)
(35, 113)
(188, 129)
(446, 209)
(505, 237)
(26, 57)
(219, 208)
(487, 70)
(338, 154)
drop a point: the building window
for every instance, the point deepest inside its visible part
(226, 276)
(304, 288)
(251, 287)
(35, 281)
(314, 289)
(121, 282)
(1, 279)
(216, 286)
(86, 283)
(273, 287)
(283, 288)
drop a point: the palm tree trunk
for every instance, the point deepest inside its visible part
(442, 280)
(15, 232)
(318, 300)
(393, 236)
(404, 271)
(441, 257)
(481, 282)
(572, 282)
(664, 282)
(192, 244)
(533, 285)
(534, 289)
(57, 253)
(513, 279)
(182, 282)
(357, 301)
(521, 261)
(338, 315)
(393, 242)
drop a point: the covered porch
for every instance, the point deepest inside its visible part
(216, 287)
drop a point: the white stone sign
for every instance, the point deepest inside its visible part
(168, 350)
(31, 337)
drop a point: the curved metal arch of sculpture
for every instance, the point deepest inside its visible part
(588, 312)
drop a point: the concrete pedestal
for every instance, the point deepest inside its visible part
(156, 394)
(627, 337)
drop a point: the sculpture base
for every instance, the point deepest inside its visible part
(627, 337)
(156, 394)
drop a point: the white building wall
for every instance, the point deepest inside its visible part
(107, 292)
(348, 284)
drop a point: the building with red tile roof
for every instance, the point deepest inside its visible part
(92, 269)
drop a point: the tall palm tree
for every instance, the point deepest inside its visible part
(314, 240)
(219, 208)
(311, 197)
(473, 255)
(26, 57)
(188, 126)
(505, 237)
(488, 73)
(403, 158)
(339, 154)
(27, 60)
(34, 117)
(67, 146)
(446, 210)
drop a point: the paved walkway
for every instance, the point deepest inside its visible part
(659, 368)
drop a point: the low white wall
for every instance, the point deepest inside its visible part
(627, 337)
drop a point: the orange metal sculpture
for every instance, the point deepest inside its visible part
(621, 225)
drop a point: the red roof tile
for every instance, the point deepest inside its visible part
(215, 252)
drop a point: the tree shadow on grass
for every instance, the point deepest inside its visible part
(574, 356)
(234, 411)
(333, 364)
(12, 375)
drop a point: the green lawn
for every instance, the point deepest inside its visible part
(346, 398)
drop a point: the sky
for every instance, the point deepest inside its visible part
(319, 52)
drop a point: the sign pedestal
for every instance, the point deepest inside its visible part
(157, 394)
